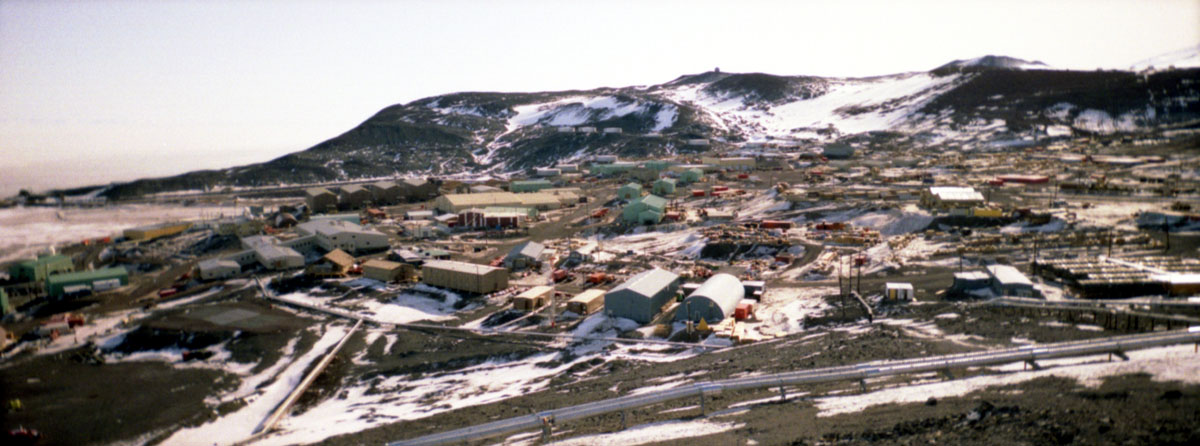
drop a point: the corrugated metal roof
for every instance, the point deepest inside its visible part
(648, 283)
(461, 267)
(971, 275)
(588, 295)
(217, 263)
(529, 249)
(382, 264)
(653, 201)
(1008, 275)
(483, 199)
(104, 273)
(339, 257)
(724, 290)
(955, 193)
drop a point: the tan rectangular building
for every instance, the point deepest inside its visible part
(388, 271)
(455, 203)
(587, 302)
(462, 276)
(533, 298)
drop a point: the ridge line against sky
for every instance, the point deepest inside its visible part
(101, 91)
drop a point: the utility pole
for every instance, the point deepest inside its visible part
(1167, 233)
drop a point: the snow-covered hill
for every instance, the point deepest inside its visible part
(991, 103)
(1183, 58)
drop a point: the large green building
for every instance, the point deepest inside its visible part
(529, 186)
(86, 281)
(630, 191)
(37, 270)
(664, 186)
(691, 176)
(658, 165)
(645, 210)
(616, 168)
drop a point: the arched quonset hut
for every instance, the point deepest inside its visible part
(713, 301)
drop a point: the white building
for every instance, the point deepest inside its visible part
(343, 235)
(218, 269)
(948, 197)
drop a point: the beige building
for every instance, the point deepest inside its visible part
(587, 302)
(541, 201)
(463, 276)
(455, 203)
(533, 298)
(388, 271)
(334, 264)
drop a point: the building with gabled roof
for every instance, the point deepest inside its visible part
(384, 192)
(353, 196)
(642, 296)
(320, 199)
(630, 191)
(333, 264)
(454, 203)
(648, 209)
(525, 255)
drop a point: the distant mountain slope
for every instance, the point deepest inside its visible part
(964, 104)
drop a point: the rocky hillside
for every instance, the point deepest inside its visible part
(986, 102)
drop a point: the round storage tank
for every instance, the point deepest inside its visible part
(713, 301)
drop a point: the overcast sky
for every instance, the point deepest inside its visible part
(97, 91)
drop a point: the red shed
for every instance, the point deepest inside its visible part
(775, 224)
(697, 193)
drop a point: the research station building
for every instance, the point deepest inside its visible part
(462, 276)
(642, 296)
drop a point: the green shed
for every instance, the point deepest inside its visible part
(529, 186)
(86, 281)
(630, 191)
(664, 186)
(645, 210)
(4, 306)
(657, 165)
(691, 176)
(37, 270)
(619, 167)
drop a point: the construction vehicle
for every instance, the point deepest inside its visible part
(561, 275)
(598, 278)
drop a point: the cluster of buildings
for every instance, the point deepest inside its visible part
(359, 196)
(56, 275)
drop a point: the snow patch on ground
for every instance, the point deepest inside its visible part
(1176, 363)
(239, 425)
(25, 231)
(654, 432)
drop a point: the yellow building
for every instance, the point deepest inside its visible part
(152, 232)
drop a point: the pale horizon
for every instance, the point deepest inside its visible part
(96, 92)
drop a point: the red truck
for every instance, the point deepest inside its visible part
(561, 275)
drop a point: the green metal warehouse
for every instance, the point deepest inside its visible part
(86, 281)
(529, 186)
(645, 210)
(37, 270)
